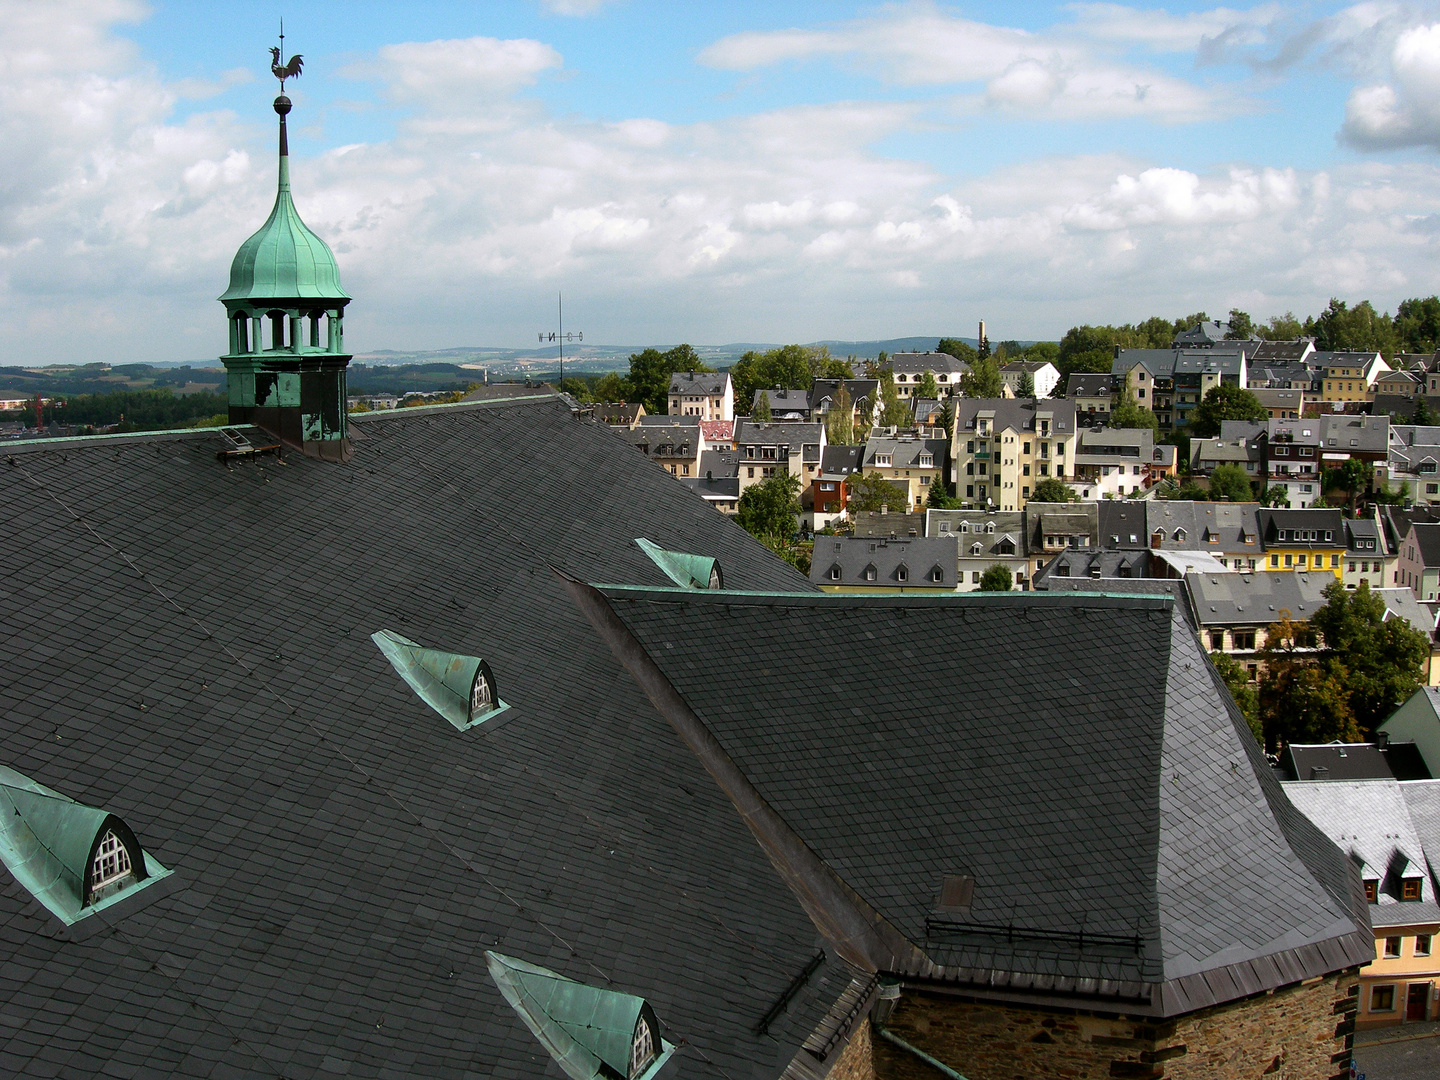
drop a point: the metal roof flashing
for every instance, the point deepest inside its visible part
(49, 843)
(460, 688)
(588, 1031)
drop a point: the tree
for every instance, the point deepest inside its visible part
(997, 578)
(1225, 402)
(1025, 385)
(982, 380)
(840, 420)
(1276, 496)
(938, 497)
(1186, 322)
(1302, 696)
(1053, 490)
(1230, 480)
(1422, 415)
(1241, 328)
(1131, 414)
(1384, 658)
(610, 388)
(1242, 689)
(893, 412)
(1351, 476)
(958, 349)
(650, 371)
(928, 387)
(872, 492)
(1046, 351)
(982, 348)
(1417, 324)
(760, 412)
(1281, 328)
(789, 367)
(1360, 327)
(770, 508)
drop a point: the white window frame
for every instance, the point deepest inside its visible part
(112, 862)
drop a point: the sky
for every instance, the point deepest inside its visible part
(715, 173)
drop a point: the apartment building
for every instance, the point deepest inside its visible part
(1002, 447)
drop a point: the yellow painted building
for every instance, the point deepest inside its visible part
(1401, 985)
(1303, 541)
(1351, 376)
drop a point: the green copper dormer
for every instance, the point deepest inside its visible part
(285, 369)
(686, 570)
(74, 859)
(591, 1033)
(460, 688)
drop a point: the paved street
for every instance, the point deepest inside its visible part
(1407, 1059)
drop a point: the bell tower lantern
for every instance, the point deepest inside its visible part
(285, 368)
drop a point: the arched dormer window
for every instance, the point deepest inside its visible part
(989, 526)
(964, 526)
(686, 570)
(902, 573)
(460, 688)
(871, 573)
(937, 573)
(1179, 536)
(591, 1033)
(73, 859)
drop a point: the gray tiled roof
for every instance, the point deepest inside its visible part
(1353, 761)
(1017, 413)
(838, 460)
(699, 382)
(905, 452)
(1087, 384)
(1402, 603)
(916, 363)
(778, 433)
(1166, 362)
(1284, 350)
(342, 856)
(1127, 799)
(1234, 525)
(971, 525)
(890, 523)
(1369, 821)
(784, 401)
(1317, 520)
(1255, 599)
(913, 557)
(1355, 433)
(1426, 539)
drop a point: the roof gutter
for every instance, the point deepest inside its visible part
(861, 936)
(890, 1037)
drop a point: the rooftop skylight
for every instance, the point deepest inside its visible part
(74, 859)
(591, 1033)
(460, 688)
(687, 571)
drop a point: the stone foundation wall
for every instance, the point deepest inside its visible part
(857, 1062)
(1299, 1032)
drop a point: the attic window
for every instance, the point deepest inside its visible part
(902, 573)
(1410, 888)
(937, 574)
(1179, 536)
(1372, 887)
(835, 572)
(460, 688)
(686, 570)
(642, 1047)
(73, 859)
(870, 572)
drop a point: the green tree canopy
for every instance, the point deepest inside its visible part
(1053, 490)
(1231, 481)
(997, 578)
(928, 387)
(1360, 327)
(1417, 325)
(938, 497)
(1025, 385)
(1351, 476)
(790, 367)
(840, 420)
(1385, 658)
(983, 379)
(650, 371)
(1225, 402)
(1281, 328)
(1241, 328)
(958, 349)
(1246, 694)
(1131, 414)
(770, 508)
(760, 412)
(610, 387)
(1422, 415)
(872, 492)
(893, 411)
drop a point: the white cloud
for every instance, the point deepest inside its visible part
(453, 73)
(1163, 32)
(573, 7)
(1406, 110)
(1054, 73)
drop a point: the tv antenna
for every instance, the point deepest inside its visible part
(559, 337)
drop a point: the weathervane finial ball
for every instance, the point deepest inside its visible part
(282, 105)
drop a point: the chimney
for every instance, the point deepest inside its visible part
(1382, 740)
(884, 509)
(1319, 772)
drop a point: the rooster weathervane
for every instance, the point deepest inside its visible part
(290, 70)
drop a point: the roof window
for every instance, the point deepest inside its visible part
(591, 1033)
(460, 688)
(73, 859)
(687, 571)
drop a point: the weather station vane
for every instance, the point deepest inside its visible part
(290, 70)
(560, 337)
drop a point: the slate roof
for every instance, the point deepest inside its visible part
(664, 438)
(970, 525)
(905, 452)
(1172, 845)
(1370, 822)
(1086, 384)
(1017, 413)
(694, 383)
(1164, 363)
(1233, 524)
(917, 556)
(1320, 521)
(342, 855)
(1426, 539)
(778, 433)
(1354, 761)
(1350, 434)
(785, 402)
(1278, 398)
(1284, 350)
(838, 460)
(1255, 599)
(1129, 443)
(918, 363)
(1091, 565)
(872, 523)
(820, 389)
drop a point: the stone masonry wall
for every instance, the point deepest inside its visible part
(1299, 1032)
(856, 1063)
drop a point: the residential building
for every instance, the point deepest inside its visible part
(927, 412)
(1395, 522)
(1172, 382)
(1054, 528)
(1293, 450)
(785, 404)
(1401, 384)
(1044, 375)
(1297, 351)
(1304, 375)
(864, 398)
(1303, 540)
(985, 539)
(910, 369)
(674, 446)
(708, 395)
(619, 413)
(1349, 376)
(1240, 442)
(909, 462)
(1383, 759)
(1093, 395)
(1414, 462)
(1002, 447)
(888, 523)
(1113, 463)
(858, 564)
(717, 480)
(1203, 335)
(1417, 565)
(1233, 612)
(765, 449)
(1284, 404)
(829, 494)
(1093, 566)
(1163, 462)
(1367, 560)
(1226, 531)
(1417, 721)
(717, 434)
(1371, 821)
